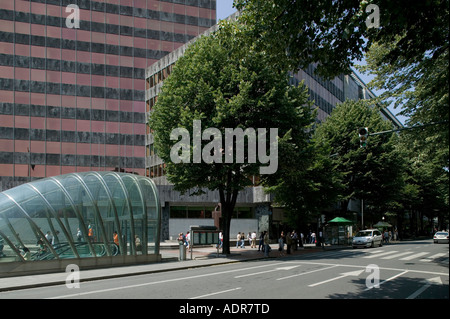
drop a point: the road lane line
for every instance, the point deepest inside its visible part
(266, 271)
(352, 273)
(398, 255)
(428, 283)
(414, 256)
(389, 279)
(216, 293)
(157, 282)
(308, 272)
(382, 254)
(431, 258)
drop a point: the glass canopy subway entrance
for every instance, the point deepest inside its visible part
(80, 215)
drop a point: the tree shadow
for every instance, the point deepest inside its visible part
(400, 288)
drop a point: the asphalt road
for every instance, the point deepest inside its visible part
(406, 270)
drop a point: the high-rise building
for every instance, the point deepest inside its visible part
(72, 80)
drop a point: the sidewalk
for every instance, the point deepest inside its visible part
(202, 257)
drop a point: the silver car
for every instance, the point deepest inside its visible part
(440, 237)
(368, 238)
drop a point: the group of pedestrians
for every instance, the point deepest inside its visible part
(240, 239)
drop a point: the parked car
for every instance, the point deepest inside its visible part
(368, 238)
(440, 237)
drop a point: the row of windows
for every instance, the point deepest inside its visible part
(70, 113)
(93, 47)
(71, 89)
(125, 10)
(71, 136)
(151, 103)
(70, 160)
(330, 86)
(158, 77)
(18, 16)
(71, 66)
(320, 101)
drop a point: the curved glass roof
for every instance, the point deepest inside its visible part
(77, 215)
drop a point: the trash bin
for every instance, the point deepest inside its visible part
(182, 251)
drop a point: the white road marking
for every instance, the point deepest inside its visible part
(157, 282)
(389, 279)
(381, 254)
(430, 258)
(271, 270)
(428, 283)
(397, 255)
(414, 256)
(351, 273)
(216, 293)
(308, 272)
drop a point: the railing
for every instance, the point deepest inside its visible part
(65, 251)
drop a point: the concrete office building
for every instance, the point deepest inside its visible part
(72, 97)
(254, 210)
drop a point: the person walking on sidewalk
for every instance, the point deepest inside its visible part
(281, 245)
(253, 240)
(266, 244)
(288, 243)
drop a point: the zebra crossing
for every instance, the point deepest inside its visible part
(381, 254)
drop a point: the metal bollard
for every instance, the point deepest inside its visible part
(182, 251)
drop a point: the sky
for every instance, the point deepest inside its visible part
(224, 8)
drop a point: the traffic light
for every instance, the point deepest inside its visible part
(363, 134)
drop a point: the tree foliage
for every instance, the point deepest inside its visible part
(335, 33)
(372, 173)
(222, 81)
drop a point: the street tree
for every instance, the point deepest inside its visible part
(335, 33)
(222, 81)
(420, 89)
(372, 173)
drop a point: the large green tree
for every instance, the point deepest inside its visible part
(224, 83)
(421, 89)
(372, 173)
(335, 33)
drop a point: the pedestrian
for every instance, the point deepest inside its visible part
(288, 243)
(294, 240)
(137, 243)
(242, 240)
(313, 238)
(302, 239)
(91, 233)
(253, 240)
(49, 237)
(281, 245)
(55, 239)
(26, 254)
(188, 239)
(238, 240)
(386, 236)
(220, 240)
(116, 239)
(249, 238)
(79, 235)
(261, 242)
(266, 244)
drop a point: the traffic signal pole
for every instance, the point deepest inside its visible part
(407, 128)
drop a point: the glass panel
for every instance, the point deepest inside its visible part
(77, 214)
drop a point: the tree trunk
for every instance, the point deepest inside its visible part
(228, 202)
